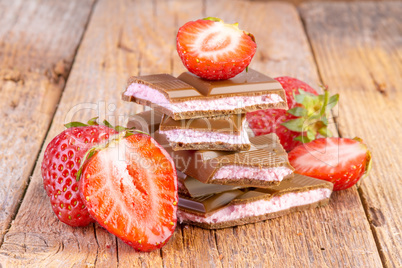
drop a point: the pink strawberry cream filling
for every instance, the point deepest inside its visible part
(144, 92)
(260, 207)
(255, 173)
(193, 136)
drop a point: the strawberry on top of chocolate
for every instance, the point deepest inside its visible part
(213, 49)
(306, 119)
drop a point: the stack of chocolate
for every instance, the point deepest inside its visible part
(225, 177)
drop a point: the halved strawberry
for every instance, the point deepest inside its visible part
(338, 160)
(213, 49)
(130, 189)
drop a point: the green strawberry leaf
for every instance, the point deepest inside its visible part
(324, 120)
(106, 123)
(310, 135)
(314, 117)
(298, 111)
(299, 138)
(302, 92)
(324, 101)
(294, 124)
(302, 139)
(299, 98)
(333, 100)
(87, 156)
(75, 124)
(93, 121)
(323, 131)
(312, 113)
(119, 128)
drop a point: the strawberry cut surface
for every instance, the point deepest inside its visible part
(62, 160)
(130, 189)
(341, 161)
(214, 50)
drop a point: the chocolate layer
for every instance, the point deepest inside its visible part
(235, 200)
(147, 121)
(188, 186)
(258, 88)
(266, 152)
(251, 81)
(174, 89)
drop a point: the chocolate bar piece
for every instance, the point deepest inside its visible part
(238, 207)
(188, 186)
(147, 121)
(265, 164)
(189, 96)
(223, 133)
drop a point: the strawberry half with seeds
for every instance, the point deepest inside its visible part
(338, 160)
(62, 160)
(305, 120)
(130, 188)
(213, 49)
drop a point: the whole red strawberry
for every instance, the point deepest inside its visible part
(130, 188)
(338, 160)
(305, 120)
(213, 49)
(62, 160)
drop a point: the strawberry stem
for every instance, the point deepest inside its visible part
(212, 19)
(311, 114)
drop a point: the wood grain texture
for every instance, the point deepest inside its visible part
(358, 48)
(122, 40)
(38, 40)
(335, 236)
(298, 2)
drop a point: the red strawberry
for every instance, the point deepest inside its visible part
(338, 160)
(62, 160)
(130, 189)
(305, 119)
(213, 49)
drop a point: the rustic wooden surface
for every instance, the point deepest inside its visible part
(298, 2)
(357, 229)
(358, 51)
(38, 41)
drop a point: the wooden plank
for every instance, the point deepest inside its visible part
(335, 236)
(298, 2)
(37, 47)
(122, 39)
(357, 47)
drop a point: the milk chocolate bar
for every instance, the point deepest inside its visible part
(188, 186)
(147, 121)
(223, 133)
(189, 96)
(238, 207)
(265, 164)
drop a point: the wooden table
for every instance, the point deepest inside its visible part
(69, 60)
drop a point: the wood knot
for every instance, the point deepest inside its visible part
(61, 68)
(376, 217)
(13, 75)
